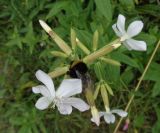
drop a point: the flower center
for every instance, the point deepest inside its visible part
(124, 37)
(56, 101)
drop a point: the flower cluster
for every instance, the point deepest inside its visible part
(62, 98)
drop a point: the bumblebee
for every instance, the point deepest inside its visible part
(79, 69)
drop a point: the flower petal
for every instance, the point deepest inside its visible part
(69, 87)
(109, 118)
(95, 115)
(121, 24)
(136, 45)
(101, 114)
(42, 103)
(112, 118)
(120, 112)
(45, 79)
(64, 109)
(76, 103)
(118, 33)
(41, 89)
(127, 45)
(134, 28)
(36, 89)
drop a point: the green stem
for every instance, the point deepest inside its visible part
(139, 83)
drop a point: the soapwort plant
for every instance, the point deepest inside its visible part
(78, 68)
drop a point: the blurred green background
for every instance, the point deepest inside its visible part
(25, 48)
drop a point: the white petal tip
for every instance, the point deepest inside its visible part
(45, 26)
(121, 16)
(86, 107)
(120, 112)
(35, 90)
(39, 71)
(39, 108)
(134, 28)
(124, 114)
(144, 46)
(97, 122)
(42, 103)
(140, 22)
(65, 113)
(132, 44)
(65, 110)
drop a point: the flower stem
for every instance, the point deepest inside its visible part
(102, 51)
(138, 84)
(59, 71)
(104, 96)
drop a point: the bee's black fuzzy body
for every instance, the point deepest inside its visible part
(77, 68)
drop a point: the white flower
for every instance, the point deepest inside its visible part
(61, 97)
(126, 36)
(95, 115)
(109, 116)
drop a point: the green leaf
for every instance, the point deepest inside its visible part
(156, 126)
(129, 4)
(15, 39)
(139, 120)
(25, 129)
(57, 7)
(153, 72)
(85, 37)
(99, 70)
(17, 120)
(150, 9)
(30, 38)
(112, 73)
(156, 89)
(148, 38)
(127, 76)
(125, 59)
(105, 8)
